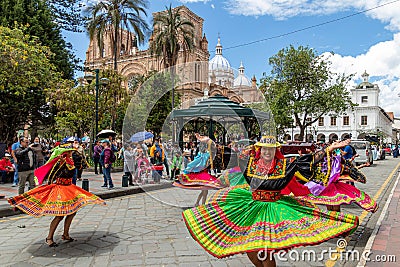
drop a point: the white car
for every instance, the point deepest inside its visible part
(364, 152)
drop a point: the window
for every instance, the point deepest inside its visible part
(321, 121)
(308, 120)
(333, 121)
(197, 71)
(346, 120)
(364, 120)
(364, 99)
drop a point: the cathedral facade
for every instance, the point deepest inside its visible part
(202, 77)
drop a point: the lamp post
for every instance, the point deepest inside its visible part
(103, 81)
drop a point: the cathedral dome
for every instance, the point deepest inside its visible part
(218, 62)
(241, 79)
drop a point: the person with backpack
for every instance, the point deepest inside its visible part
(97, 149)
(107, 158)
(349, 152)
(26, 164)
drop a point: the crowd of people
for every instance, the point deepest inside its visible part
(269, 198)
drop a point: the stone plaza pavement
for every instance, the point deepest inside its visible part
(147, 229)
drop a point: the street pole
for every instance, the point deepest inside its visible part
(97, 102)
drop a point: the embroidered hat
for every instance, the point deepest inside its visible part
(267, 141)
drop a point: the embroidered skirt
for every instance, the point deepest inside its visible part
(198, 181)
(233, 222)
(339, 193)
(58, 199)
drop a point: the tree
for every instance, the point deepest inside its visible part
(38, 20)
(172, 34)
(150, 106)
(110, 17)
(67, 14)
(302, 88)
(26, 77)
(76, 105)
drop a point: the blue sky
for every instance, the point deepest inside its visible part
(368, 41)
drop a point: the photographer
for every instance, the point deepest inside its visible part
(26, 163)
(39, 151)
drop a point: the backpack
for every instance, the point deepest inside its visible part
(113, 158)
(353, 150)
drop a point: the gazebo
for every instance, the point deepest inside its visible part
(219, 110)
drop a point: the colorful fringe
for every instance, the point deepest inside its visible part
(235, 223)
(54, 200)
(193, 187)
(339, 193)
(198, 181)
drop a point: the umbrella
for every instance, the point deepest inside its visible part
(141, 136)
(68, 139)
(106, 133)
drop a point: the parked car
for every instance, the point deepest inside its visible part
(364, 151)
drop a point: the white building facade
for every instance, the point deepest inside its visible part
(367, 119)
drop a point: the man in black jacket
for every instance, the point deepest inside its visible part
(26, 163)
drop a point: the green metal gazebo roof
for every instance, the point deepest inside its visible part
(218, 106)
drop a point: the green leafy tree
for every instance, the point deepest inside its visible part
(172, 34)
(76, 105)
(114, 99)
(150, 106)
(108, 18)
(26, 78)
(39, 20)
(301, 88)
(67, 14)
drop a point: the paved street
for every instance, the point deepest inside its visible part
(142, 230)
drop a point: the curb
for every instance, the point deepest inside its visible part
(118, 192)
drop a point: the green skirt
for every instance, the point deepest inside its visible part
(232, 222)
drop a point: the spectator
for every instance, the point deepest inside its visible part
(15, 161)
(96, 157)
(129, 163)
(79, 159)
(165, 160)
(113, 144)
(39, 151)
(395, 151)
(26, 162)
(145, 149)
(187, 155)
(107, 157)
(157, 161)
(5, 167)
(176, 165)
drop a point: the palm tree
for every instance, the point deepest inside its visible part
(172, 34)
(112, 16)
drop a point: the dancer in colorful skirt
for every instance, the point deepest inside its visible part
(327, 183)
(59, 198)
(259, 220)
(195, 175)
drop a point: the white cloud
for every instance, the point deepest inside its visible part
(279, 9)
(212, 6)
(381, 62)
